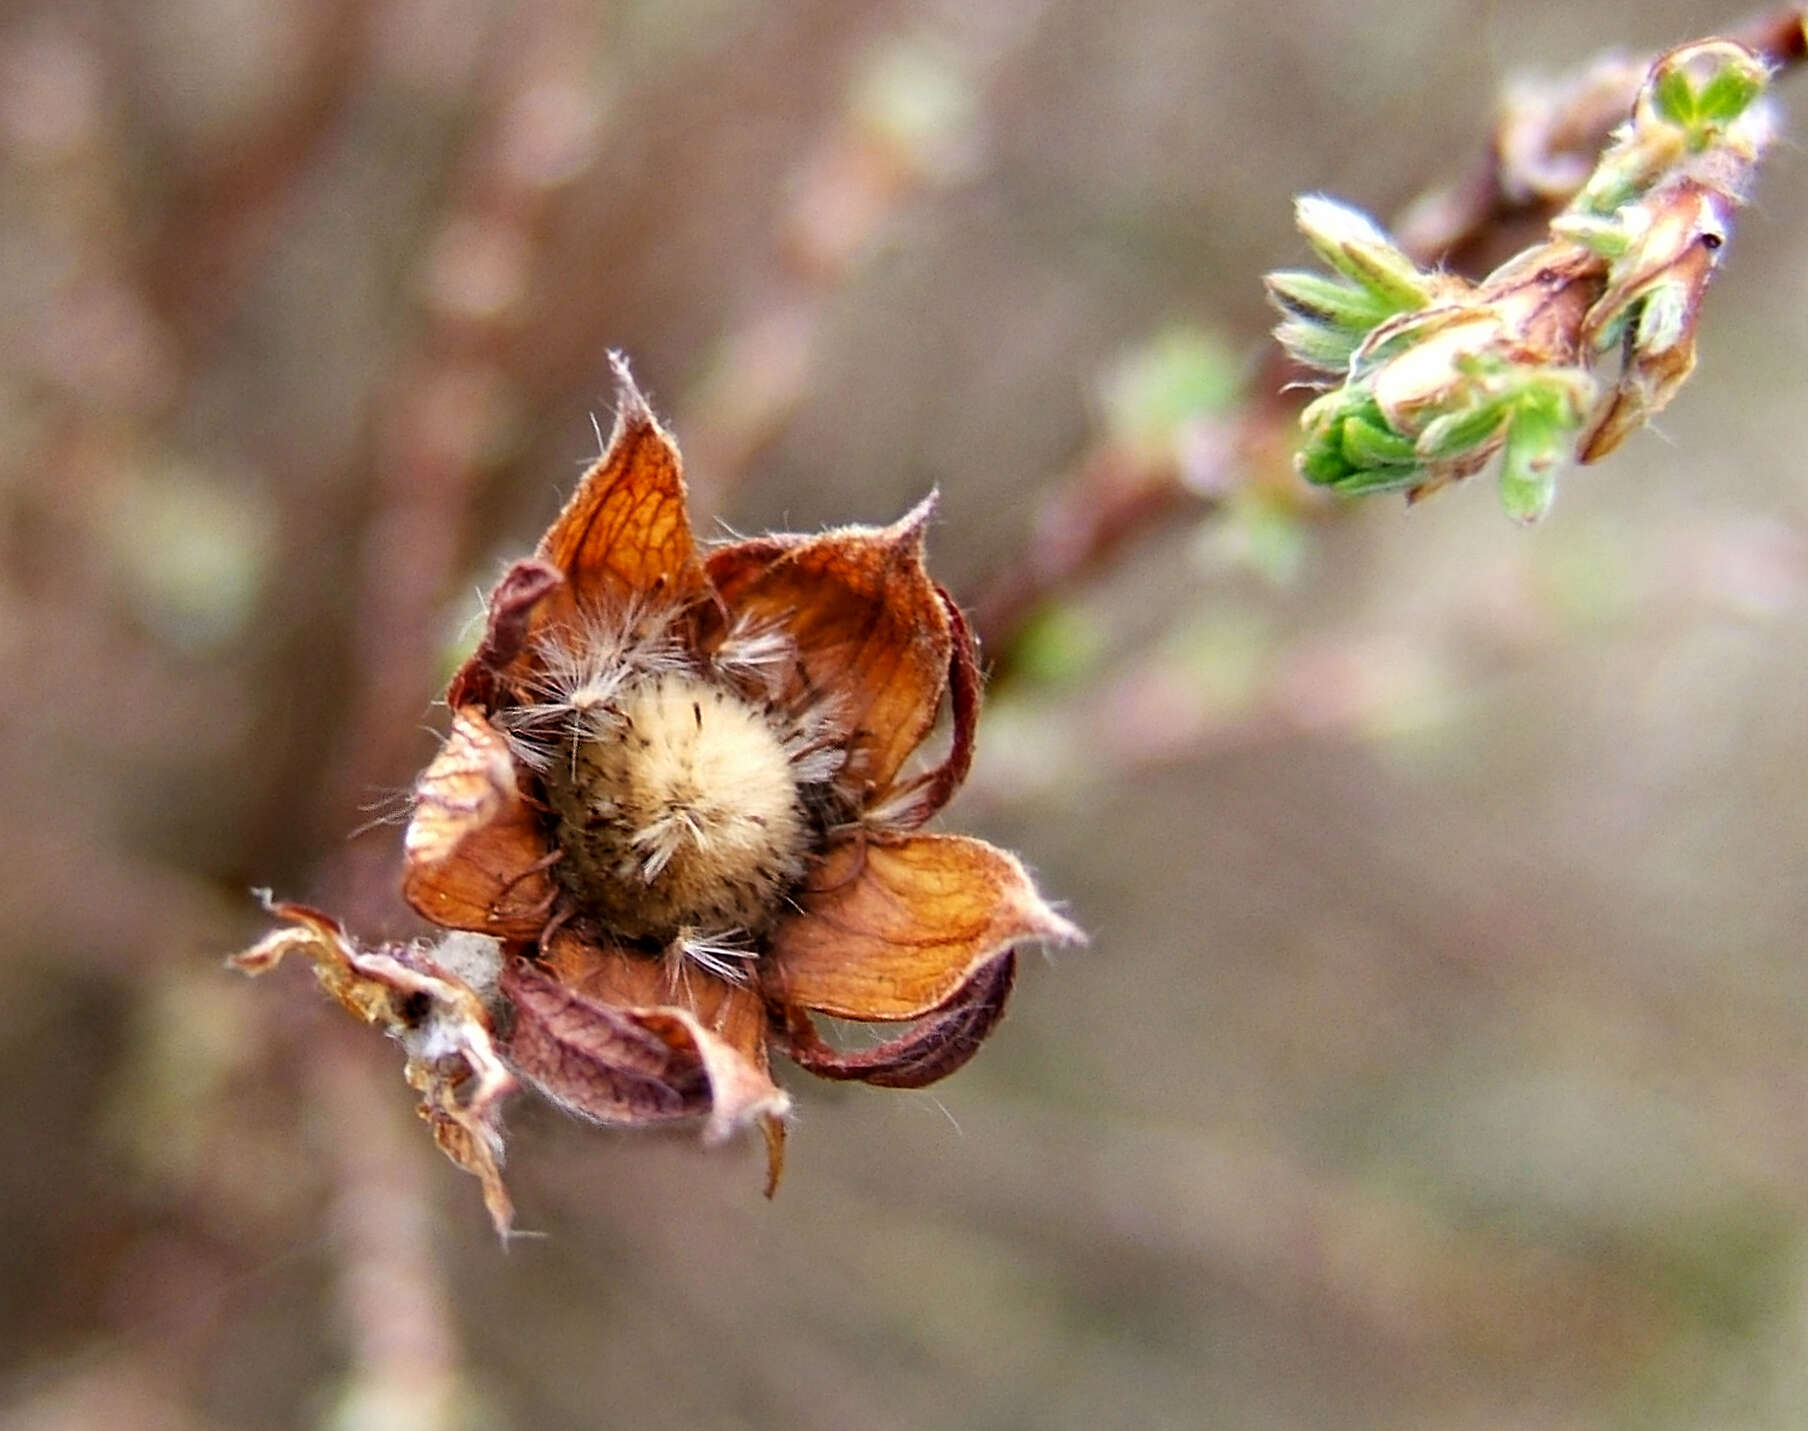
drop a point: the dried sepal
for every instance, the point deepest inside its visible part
(635, 1063)
(889, 928)
(732, 1013)
(514, 608)
(624, 539)
(621, 544)
(925, 795)
(475, 852)
(937, 1046)
(871, 633)
(596, 1059)
(441, 1021)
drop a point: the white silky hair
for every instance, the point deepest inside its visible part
(729, 954)
(573, 694)
(581, 674)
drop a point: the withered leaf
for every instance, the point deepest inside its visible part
(890, 928)
(436, 1016)
(930, 1051)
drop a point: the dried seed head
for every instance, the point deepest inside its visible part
(710, 752)
(678, 809)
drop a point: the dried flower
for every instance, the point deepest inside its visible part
(677, 802)
(1438, 377)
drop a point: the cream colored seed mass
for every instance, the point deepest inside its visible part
(678, 810)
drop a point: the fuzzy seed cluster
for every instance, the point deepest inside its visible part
(687, 799)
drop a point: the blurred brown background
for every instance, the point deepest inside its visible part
(1441, 1056)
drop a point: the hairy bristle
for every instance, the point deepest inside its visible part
(580, 673)
(757, 654)
(726, 953)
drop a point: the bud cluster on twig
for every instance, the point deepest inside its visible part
(1437, 376)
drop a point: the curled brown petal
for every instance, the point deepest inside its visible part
(732, 1016)
(513, 608)
(872, 633)
(625, 536)
(596, 1059)
(612, 975)
(929, 792)
(932, 1050)
(475, 854)
(616, 1062)
(889, 928)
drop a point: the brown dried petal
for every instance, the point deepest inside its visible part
(617, 977)
(625, 535)
(475, 851)
(933, 1049)
(438, 1019)
(890, 929)
(515, 611)
(595, 1059)
(872, 635)
(642, 1058)
(929, 792)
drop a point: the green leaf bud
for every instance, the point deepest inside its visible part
(1366, 444)
(1316, 298)
(1353, 244)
